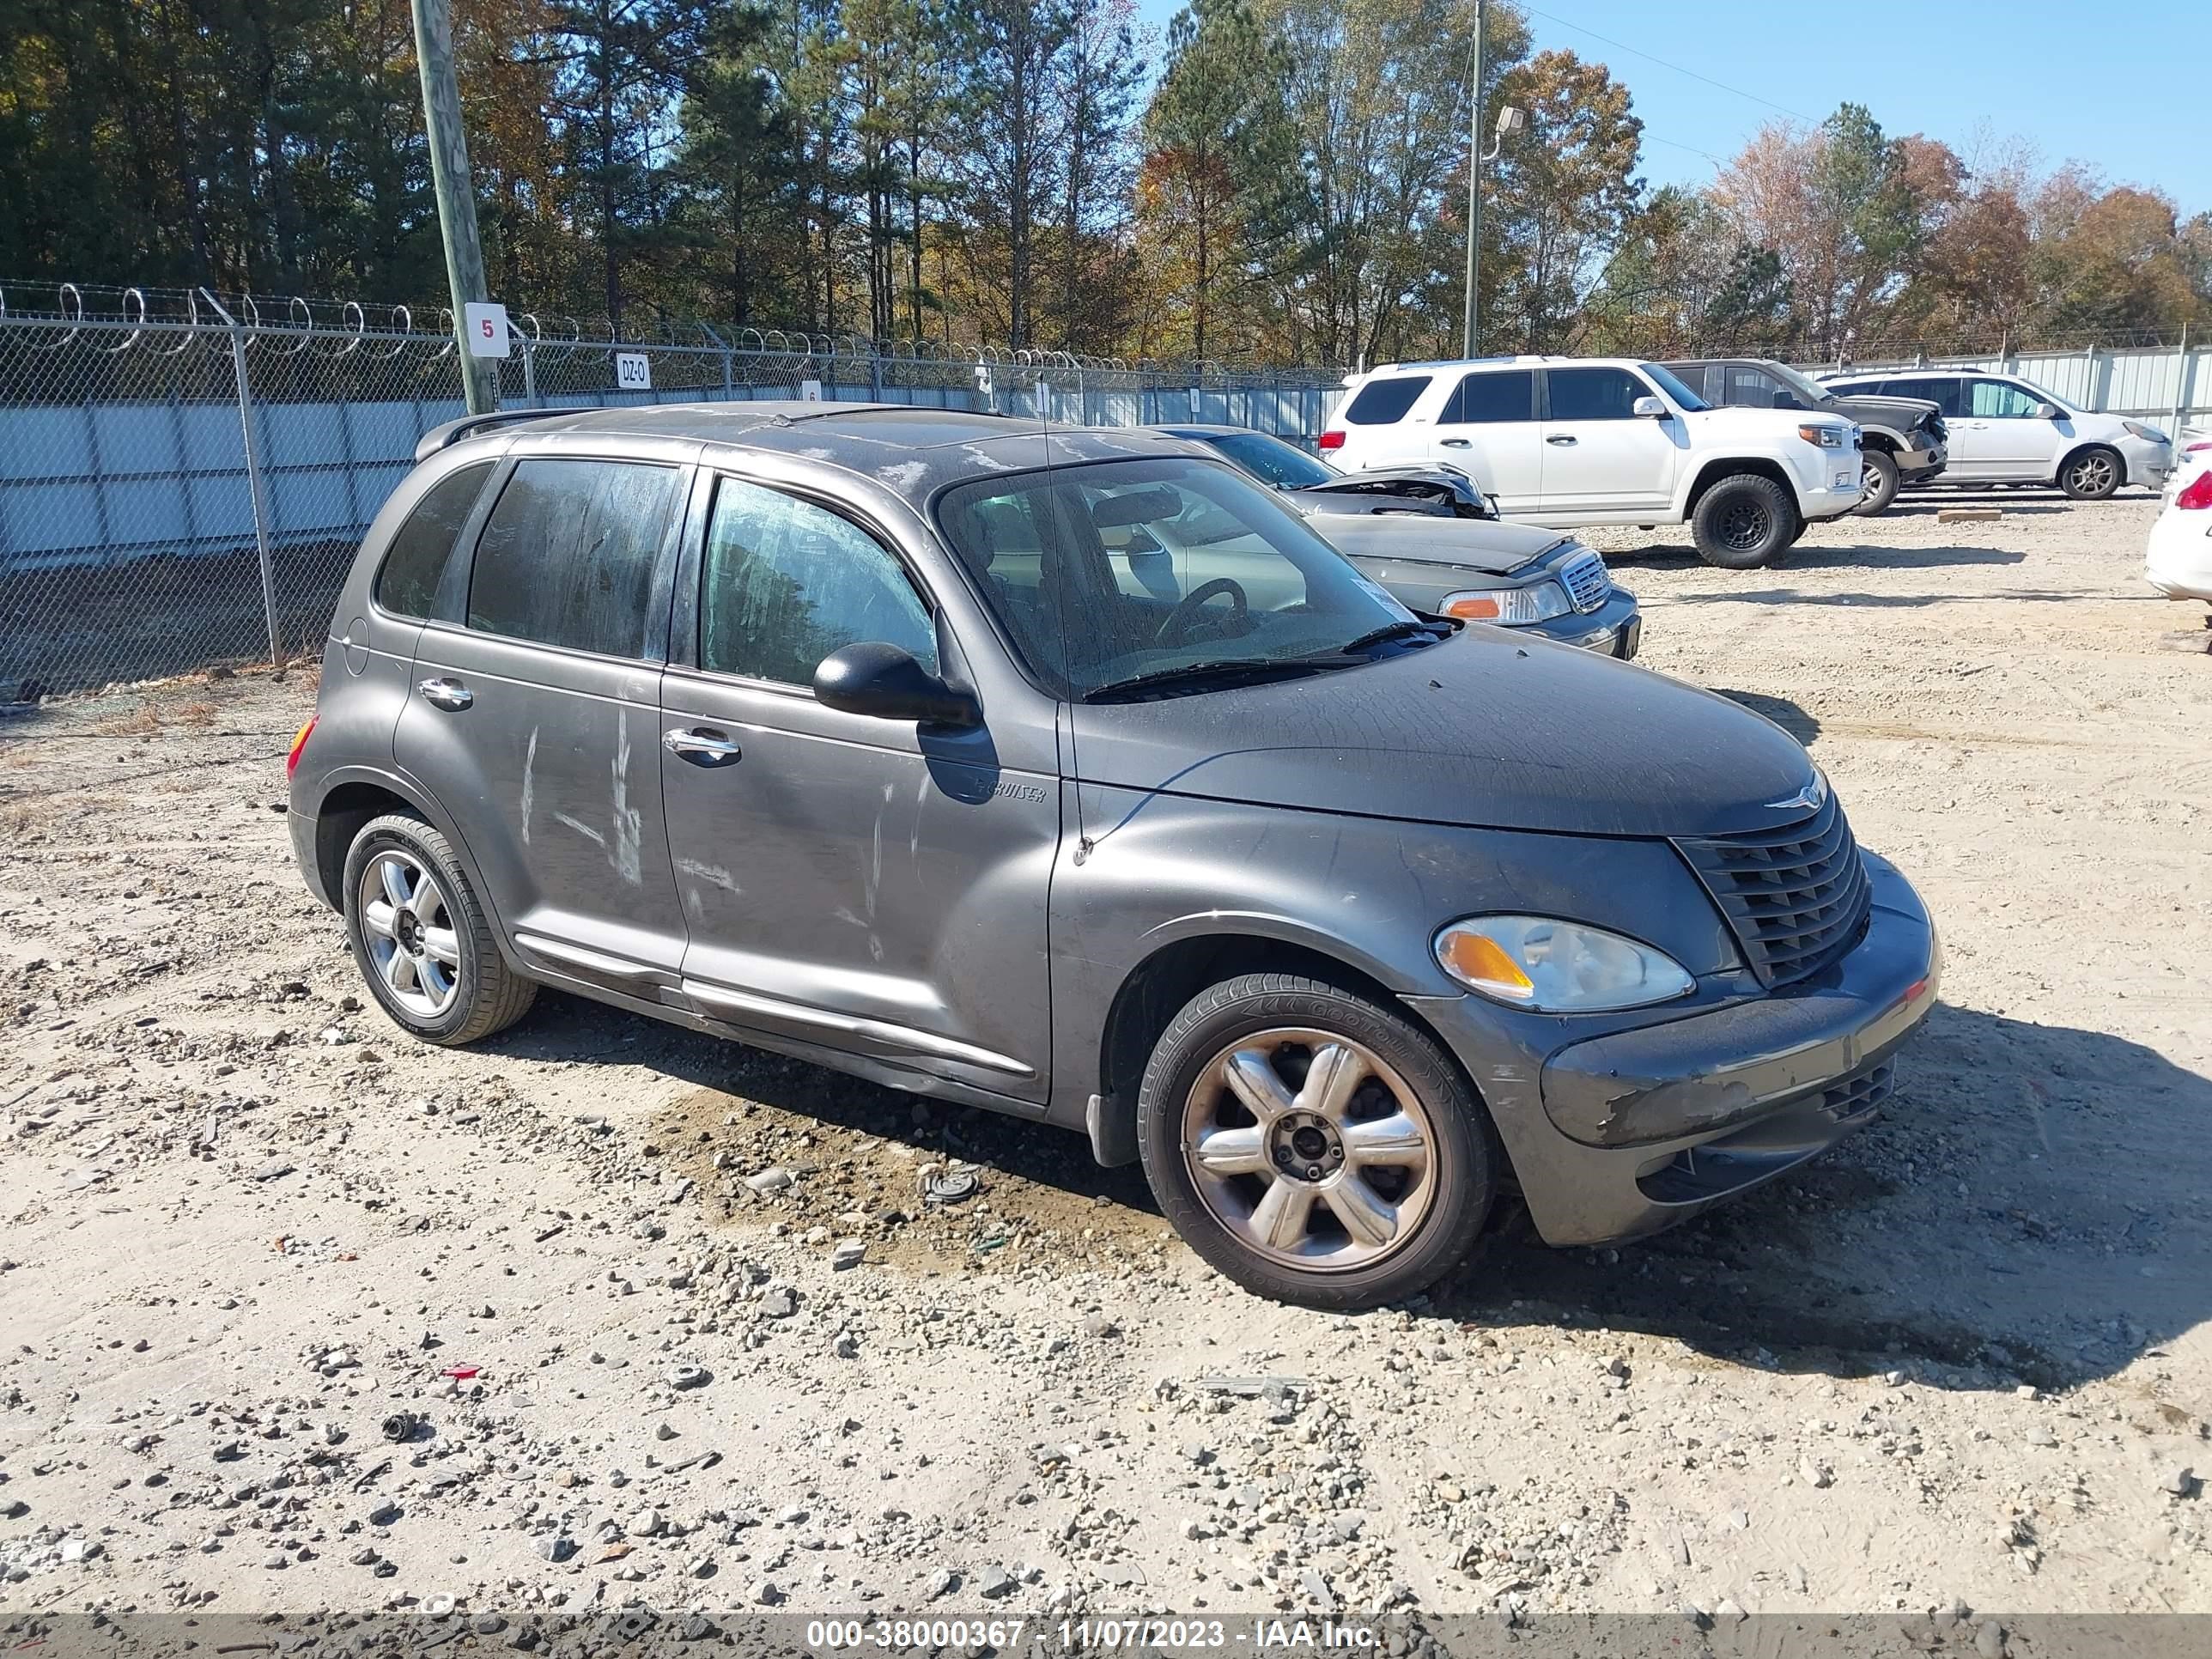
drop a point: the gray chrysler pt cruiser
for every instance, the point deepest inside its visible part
(1072, 775)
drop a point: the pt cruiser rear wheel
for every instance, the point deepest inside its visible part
(422, 938)
(1312, 1147)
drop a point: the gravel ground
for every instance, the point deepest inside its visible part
(1964, 1359)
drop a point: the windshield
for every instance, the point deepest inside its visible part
(1105, 572)
(1685, 399)
(1808, 390)
(1272, 461)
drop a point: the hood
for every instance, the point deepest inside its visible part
(1766, 422)
(1482, 544)
(1881, 410)
(1491, 728)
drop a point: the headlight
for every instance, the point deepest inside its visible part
(1512, 607)
(1823, 437)
(2149, 434)
(1557, 966)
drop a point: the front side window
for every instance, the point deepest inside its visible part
(1595, 394)
(1380, 403)
(1112, 571)
(1272, 461)
(1494, 395)
(1754, 388)
(1684, 397)
(2001, 400)
(785, 583)
(567, 555)
(407, 585)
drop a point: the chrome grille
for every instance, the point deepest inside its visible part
(1587, 584)
(1796, 897)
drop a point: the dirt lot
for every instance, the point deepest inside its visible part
(1966, 1358)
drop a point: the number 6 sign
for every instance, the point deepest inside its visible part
(486, 326)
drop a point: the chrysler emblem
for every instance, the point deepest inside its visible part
(1812, 796)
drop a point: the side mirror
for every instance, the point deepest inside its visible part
(887, 683)
(2049, 412)
(1647, 408)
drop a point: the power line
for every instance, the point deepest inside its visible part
(1635, 52)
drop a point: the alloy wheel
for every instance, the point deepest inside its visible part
(1309, 1150)
(409, 930)
(1743, 525)
(2093, 475)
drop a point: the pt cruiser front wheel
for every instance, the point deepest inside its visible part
(1312, 1147)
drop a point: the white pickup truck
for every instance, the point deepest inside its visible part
(1564, 442)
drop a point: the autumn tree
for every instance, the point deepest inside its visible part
(1566, 191)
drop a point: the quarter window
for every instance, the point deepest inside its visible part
(567, 557)
(1594, 394)
(407, 585)
(1380, 403)
(1494, 395)
(785, 583)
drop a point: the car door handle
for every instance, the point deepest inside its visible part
(1562, 439)
(1455, 443)
(449, 695)
(702, 746)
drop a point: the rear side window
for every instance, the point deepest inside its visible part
(1692, 375)
(567, 555)
(786, 583)
(1381, 402)
(1595, 394)
(1942, 392)
(407, 585)
(1495, 395)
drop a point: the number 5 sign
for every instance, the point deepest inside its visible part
(486, 326)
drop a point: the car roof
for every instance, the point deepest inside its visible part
(913, 452)
(1203, 430)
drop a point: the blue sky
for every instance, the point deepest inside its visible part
(2113, 87)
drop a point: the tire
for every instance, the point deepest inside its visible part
(1418, 1191)
(1879, 474)
(431, 961)
(2093, 474)
(1743, 521)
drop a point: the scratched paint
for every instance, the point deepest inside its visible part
(627, 853)
(529, 783)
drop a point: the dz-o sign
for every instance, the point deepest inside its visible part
(633, 371)
(486, 327)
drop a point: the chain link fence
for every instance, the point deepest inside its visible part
(183, 479)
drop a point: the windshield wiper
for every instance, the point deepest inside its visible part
(1198, 676)
(1396, 630)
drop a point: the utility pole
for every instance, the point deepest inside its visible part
(1474, 184)
(456, 188)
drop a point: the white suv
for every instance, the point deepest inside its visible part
(2007, 430)
(1583, 441)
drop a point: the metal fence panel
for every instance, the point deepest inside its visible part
(182, 491)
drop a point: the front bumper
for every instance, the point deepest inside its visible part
(1837, 486)
(1644, 1127)
(1616, 628)
(1919, 465)
(2148, 463)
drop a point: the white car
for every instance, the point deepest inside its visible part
(2007, 430)
(2179, 564)
(1563, 442)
